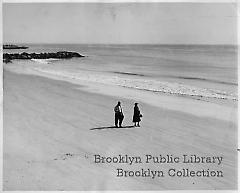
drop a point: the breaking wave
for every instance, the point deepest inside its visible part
(45, 61)
(144, 84)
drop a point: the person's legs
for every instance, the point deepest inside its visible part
(138, 124)
(120, 120)
(116, 120)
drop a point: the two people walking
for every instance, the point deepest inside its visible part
(119, 115)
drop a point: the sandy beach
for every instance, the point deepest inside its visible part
(53, 129)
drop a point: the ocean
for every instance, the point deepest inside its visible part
(204, 71)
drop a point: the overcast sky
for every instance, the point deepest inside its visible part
(153, 23)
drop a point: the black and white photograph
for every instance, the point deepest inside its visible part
(120, 96)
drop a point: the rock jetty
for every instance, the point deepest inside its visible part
(60, 55)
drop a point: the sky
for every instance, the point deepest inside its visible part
(120, 23)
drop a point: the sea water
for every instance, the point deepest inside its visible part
(206, 71)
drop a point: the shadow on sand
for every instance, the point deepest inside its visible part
(112, 127)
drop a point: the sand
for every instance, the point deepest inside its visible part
(53, 129)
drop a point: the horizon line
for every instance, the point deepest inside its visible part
(120, 1)
(209, 44)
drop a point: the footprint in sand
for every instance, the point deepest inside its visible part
(69, 155)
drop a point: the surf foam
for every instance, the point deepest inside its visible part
(144, 84)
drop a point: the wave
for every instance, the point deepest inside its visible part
(205, 79)
(128, 73)
(144, 84)
(45, 61)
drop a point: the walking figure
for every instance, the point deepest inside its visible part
(136, 115)
(118, 114)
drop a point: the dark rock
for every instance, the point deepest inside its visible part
(6, 60)
(61, 55)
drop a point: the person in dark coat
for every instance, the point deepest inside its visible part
(118, 114)
(136, 115)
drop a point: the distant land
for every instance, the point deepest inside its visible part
(12, 46)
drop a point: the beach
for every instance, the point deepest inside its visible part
(58, 116)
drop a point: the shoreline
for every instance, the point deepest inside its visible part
(220, 109)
